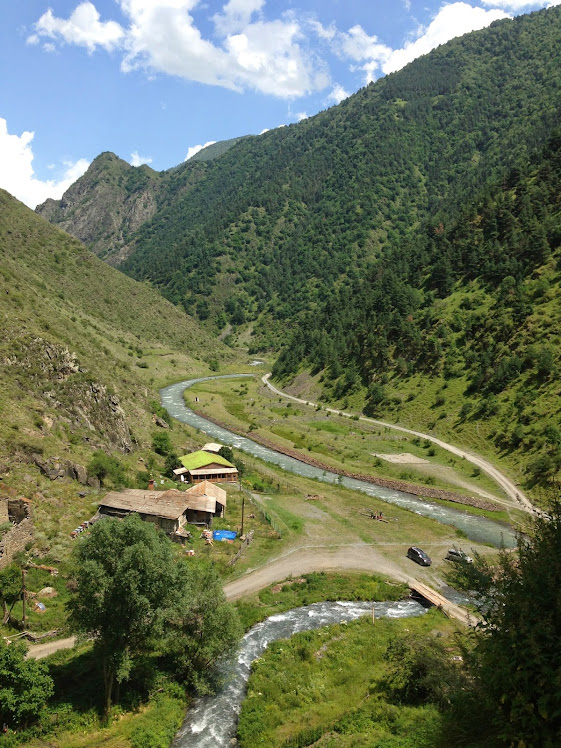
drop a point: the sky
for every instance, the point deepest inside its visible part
(156, 80)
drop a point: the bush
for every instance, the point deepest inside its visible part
(161, 443)
(105, 467)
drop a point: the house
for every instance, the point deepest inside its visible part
(170, 510)
(204, 466)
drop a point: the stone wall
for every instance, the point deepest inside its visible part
(15, 540)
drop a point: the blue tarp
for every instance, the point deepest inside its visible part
(224, 534)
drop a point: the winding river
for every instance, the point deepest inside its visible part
(479, 529)
(211, 721)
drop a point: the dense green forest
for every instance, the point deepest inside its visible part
(275, 225)
(475, 299)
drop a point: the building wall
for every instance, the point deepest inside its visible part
(20, 535)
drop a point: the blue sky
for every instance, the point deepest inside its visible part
(154, 80)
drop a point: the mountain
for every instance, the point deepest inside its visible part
(84, 349)
(275, 225)
(459, 325)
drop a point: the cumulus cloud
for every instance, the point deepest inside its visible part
(196, 148)
(83, 28)
(337, 95)
(250, 53)
(236, 15)
(452, 20)
(137, 160)
(16, 170)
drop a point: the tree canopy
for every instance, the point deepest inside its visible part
(517, 658)
(126, 584)
(25, 685)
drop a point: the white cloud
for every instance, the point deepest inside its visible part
(300, 116)
(196, 148)
(137, 160)
(83, 28)
(16, 170)
(452, 20)
(249, 53)
(236, 15)
(337, 95)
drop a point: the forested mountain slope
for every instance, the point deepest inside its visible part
(473, 307)
(273, 226)
(82, 353)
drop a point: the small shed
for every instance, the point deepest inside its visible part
(205, 466)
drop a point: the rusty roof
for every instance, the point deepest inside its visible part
(168, 504)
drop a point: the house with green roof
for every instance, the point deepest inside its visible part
(199, 466)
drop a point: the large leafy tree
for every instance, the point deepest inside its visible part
(126, 587)
(203, 627)
(25, 685)
(517, 657)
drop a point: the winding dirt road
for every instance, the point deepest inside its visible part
(509, 487)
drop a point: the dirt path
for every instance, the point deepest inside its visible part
(508, 486)
(38, 651)
(356, 557)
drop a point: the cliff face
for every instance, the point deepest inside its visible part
(106, 206)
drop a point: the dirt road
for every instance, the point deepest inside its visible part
(38, 651)
(509, 487)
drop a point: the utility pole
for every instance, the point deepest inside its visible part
(243, 508)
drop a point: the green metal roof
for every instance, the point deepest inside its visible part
(199, 459)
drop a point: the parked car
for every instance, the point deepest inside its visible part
(456, 554)
(419, 556)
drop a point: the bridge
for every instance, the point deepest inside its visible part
(448, 608)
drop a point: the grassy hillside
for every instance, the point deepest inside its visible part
(84, 349)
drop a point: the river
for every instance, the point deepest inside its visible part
(477, 528)
(211, 721)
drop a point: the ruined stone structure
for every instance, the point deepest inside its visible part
(18, 512)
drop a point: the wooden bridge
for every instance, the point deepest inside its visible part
(449, 609)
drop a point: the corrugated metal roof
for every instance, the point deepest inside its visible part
(169, 504)
(212, 447)
(202, 503)
(207, 488)
(199, 459)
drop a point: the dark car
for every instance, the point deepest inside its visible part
(456, 554)
(418, 556)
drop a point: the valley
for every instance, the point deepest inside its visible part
(361, 311)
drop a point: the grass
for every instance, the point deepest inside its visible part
(326, 687)
(336, 441)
